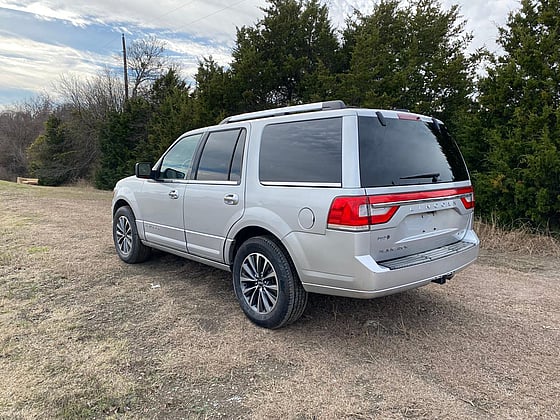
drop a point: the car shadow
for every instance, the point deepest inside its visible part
(429, 309)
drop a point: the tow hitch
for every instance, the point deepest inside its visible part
(443, 279)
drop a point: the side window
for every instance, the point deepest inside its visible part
(222, 156)
(302, 152)
(237, 161)
(177, 161)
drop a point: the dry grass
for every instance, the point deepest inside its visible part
(83, 335)
(519, 240)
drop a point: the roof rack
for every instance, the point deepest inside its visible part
(287, 110)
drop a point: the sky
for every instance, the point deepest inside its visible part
(42, 40)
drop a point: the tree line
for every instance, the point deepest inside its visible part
(502, 109)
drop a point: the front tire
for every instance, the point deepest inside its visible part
(266, 284)
(125, 236)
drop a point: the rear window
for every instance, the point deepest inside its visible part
(302, 152)
(405, 152)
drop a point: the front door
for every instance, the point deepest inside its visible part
(162, 199)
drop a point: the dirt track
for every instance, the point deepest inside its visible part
(83, 335)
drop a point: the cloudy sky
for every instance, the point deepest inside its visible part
(40, 40)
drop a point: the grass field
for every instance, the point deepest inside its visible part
(83, 335)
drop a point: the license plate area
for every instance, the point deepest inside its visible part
(416, 224)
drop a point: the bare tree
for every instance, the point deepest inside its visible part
(146, 62)
(19, 127)
(94, 97)
(87, 105)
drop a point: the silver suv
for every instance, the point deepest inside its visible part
(310, 198)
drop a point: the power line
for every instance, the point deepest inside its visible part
(213, 13)
(158, 18)
(174, 10)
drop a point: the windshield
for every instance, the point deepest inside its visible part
(406, 152)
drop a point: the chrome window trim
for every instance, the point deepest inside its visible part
(302, 184)
(198, 181)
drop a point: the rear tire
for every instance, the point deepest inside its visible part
(266, 284)
(125, 236)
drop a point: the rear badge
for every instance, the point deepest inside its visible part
(433, 206)
(396, 249)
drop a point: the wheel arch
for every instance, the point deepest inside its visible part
(120, 203)
(249, 232)
(124, 201)
(126, 238)
(241, 236)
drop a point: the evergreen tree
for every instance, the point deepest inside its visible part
(51, 154)
(59, 155)
(172, 114)
(377, 42)
(409, 57)
(280, 61)
(119, 140)
(144, 129)
(214, 97)
(520, 101)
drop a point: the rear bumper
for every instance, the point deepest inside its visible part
(370, 279)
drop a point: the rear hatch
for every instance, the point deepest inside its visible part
(419, 195)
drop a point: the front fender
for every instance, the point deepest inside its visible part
(125, 194)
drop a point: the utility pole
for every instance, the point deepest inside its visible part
(125, 69)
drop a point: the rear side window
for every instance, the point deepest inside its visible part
(302, 152)
(405, 152)
(221, 156)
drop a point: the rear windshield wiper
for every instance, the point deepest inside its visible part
(434, 176)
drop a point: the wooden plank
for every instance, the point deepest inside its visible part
(27, 181)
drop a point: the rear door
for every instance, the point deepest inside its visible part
(215, 194)
(418, 186)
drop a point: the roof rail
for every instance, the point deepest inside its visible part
(287, 110)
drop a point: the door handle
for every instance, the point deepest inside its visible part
(231, 199)
(173, 194)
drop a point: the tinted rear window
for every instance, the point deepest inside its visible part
(221, 157)
(406, 152)
(302, 152)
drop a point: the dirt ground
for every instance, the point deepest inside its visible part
(83, 335)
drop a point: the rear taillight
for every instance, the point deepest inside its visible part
(468, 198)
(360, 212)
(350, 213)
(381, 214)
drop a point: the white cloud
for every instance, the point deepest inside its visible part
(33, 65)
(189, 53)
(483, 19)
(44, 11)
(217, 18)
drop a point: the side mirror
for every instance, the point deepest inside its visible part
(143, 170)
